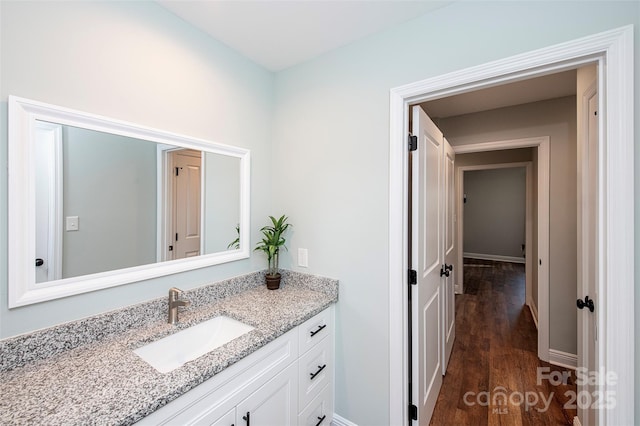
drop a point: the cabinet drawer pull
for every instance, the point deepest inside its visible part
(321, 419)
(320, 368)
(320, 327)
(247, 418)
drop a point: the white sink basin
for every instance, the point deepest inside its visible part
(171, 352)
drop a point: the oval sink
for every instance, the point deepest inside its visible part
(172, 351)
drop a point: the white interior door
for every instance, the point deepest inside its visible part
(426, 259)
(587, 320)
(48, 184)
(187, 200)
(450, 256)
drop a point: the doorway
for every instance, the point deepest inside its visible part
(612, 50)
(180, 198)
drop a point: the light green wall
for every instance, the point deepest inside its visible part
(136, 62)
(331, 142)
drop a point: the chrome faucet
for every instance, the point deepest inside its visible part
(174, 302)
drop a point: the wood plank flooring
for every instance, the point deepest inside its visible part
(492, 377)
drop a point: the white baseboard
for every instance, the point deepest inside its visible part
(496, 257)
(563, 359)
(576, 421)
(534, 311)
(341, 421)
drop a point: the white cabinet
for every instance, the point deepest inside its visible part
(274, 404)
(316, 370)
(287, 382)
(227, 420)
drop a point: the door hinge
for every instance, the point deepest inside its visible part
(177, 171)
(176, 236)
(413, 412)
(413, 276)
(413, 142)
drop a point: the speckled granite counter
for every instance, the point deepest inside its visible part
(85, 372)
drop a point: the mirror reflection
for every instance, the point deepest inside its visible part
(105, 202)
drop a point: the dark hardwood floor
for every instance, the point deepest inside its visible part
(492, 377)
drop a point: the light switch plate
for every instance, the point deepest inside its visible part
(303, 257)
(72, 223)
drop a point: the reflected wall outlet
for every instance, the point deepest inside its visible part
(72, 223)
(303, 257)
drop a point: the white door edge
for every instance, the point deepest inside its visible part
(616, 226)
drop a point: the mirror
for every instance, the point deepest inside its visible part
(96, 202)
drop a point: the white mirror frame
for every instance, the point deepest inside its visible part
(22, 239)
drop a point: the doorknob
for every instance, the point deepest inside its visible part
(444, 271)
(39, 262)
(588, 303)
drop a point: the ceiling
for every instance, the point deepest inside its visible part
(522, 92)
(278, 34)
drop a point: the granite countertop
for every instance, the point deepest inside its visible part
(57, 376)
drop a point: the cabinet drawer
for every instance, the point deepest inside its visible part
(319, 412)
(314, 330)
(227, 420)
(315, 371)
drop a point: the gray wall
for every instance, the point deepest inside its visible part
(494, 212)
(110, 183)
(136, 62)
(222, 201)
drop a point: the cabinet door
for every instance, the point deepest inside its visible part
(273, 404)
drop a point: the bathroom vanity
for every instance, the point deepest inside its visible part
(86, 372)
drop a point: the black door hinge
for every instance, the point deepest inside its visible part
(413, 142)
(177, 171)
(176, 236)
(413, 412)
(413, 276)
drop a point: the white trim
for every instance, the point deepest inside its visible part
(496, 257)
(613, 50)
(23, 290)
(563, 359)
(534, 311)
(341, 421)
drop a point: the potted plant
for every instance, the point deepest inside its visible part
(272, 241)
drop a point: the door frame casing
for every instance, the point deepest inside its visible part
(613, 51)
(527, 165)
(541, 313)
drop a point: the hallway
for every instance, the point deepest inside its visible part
(492, 377)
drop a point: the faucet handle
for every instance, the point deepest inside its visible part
(174, 292)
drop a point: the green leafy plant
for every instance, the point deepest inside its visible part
(235, 244)
(272, 241)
